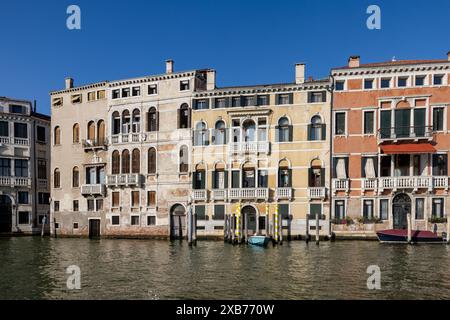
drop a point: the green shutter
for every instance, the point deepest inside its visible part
(291, 98)
(291, 133)
(309, 132)
(324, 132)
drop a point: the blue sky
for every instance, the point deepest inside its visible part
(246, 41)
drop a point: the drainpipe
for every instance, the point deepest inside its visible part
(331, 89)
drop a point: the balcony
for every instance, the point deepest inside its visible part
(283, 193)
(199, 195)
(122, 180)
(93, 190)
(219, 194)
(249, 194)
(249, 147)
(340, 185)
(405, 133)
(94, 144)
(369, 184)
(317, 193)
(15, 182)
(414, 183)
(128, 138)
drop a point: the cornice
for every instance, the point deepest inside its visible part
(379, 70)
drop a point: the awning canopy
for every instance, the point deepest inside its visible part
(408, 148)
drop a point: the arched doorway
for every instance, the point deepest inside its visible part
(250, 212)
(401, 207)
(177, 221)
(5, 214)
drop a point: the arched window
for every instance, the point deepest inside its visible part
(220, 177)
(116, 123)
(126, 120)
(76, 133)
(316, 174)
(56, 179)
(184, 117)
(125, 161)
(136, 126)
(101, 132)
(201, 134)
(136, 161)
(248, 175)
(116, 162)
(75, 178)
(219, 136)
(199, 180)
(152, 161)
(316, 129)
(184, 159)
(284, 130)
(249, 127)
(152, 120)
(57, 136)
(284, 175)
(91, 131)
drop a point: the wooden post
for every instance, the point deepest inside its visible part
(245, 227)
(257, 223)
(289, 228)
(317, 229)
(276, 227)
(280, 228)
(44, 221)
(194, 229)
(267, 225)
(448, 230)
(189, 226)
(409, 227)
(233, 228)
(307, 228)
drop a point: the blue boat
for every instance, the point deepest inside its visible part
(261, 241)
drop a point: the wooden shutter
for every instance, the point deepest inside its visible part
(277, 133)
(322, 177)
(291, 133)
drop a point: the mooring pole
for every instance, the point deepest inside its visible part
(233, 228)
(189, 226)
(267, 222)
(280, 228)
(317, 229)
(448, 230)
(194, 229)
(307, 229)
(245, 227)
(408, 215)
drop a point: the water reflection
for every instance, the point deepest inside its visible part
(34, 268)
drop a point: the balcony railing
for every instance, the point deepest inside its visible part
(219, 194)
(15, 141)
(414, 183)
(93, 190)
(283, 193)
(404, 133)
(90, 144)
(317, 193)
(340, 185)
(369, 184)
(250, 147)
(199, 195)
(128, 137)
(251, 194)
(15, 182)
(118, 180)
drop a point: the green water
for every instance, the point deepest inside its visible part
(34, 268)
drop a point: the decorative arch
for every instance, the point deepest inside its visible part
(76, 133)
(126, 161)
(115, 164)
(151, 160)
(75, 177)
(56, 178)
(57, 135)
(135, 161)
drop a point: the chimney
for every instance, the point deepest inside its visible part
(448, 56)
(169, 66)
(69, 83)
(300, 73)
(353, 62)
(211, 80)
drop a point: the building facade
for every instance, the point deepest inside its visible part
(24, 168)
(258, 150)
(390, 145)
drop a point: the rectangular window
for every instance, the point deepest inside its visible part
(263, 179)
(151, 199)
(385, 126)
(21, 168)
(385, 83)
(43, 198)
(125, 92)
(91, 205)
(438, 119)
(314, 210)
(384, 209)
(23, 197)
(420, 208)
(40, 133)
(438, 79)
(235, 176)
(101, 94)
(402, 123)
(4, 129)
(439, 165)
(75, 225)
(91, 96)
(248, 101)
(438, 208)
(368, 84)
(76, 98)
(263, 100)
(368, 209)
(152, 89)
(402, 82)
(5, 167)
(339, 85)
(116, 94)
(220, 103)
(56, 206)
(115, 199)
(285, 98)
(283, 211)
(115, 220)
(57, 102)
(14, 108)
(136, 91)
(340, 123)
(42, 169)
(135, 199)
(24, 217)
(184, 85)
(369, 122)
(200, 211)
(339, 209)
(236, 102)
(151, 220)
(201, 104)
(219, 212)
(76, 206)
(99, 204)
(419, 122)
(420, 80)
(20, 130)
(317, 97)
(134, 220)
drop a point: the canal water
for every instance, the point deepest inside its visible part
(35, 268)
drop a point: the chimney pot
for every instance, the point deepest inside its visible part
(300, 73)
(169, 66)
(353, 62)
(69, 83)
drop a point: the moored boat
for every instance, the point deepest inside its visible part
(261, 241)
(401, 236)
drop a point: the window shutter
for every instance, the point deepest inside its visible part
(309, 132)
(279, 177)
(157, 121)
(333, 169)
(213, 176)
(324, 132)
(203, 182)
(324, 96)
(291, 98)
(322, 177)
(213, 103)
(194, 178)
(227, 102)
(290, 178)
(180, 111)
(310, 177)
(277, 99)
(346, 167)
(225, 183)
(277, 134)
(291, 133)
(241, 101)
(363, 167)
(255, 100)
(309, 97)
(375, 163)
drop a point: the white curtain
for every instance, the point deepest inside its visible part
(340, 169)
(370, 168)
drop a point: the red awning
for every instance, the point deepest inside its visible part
(408, 148)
